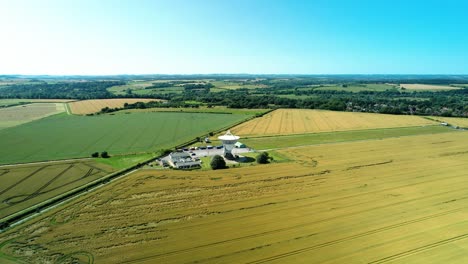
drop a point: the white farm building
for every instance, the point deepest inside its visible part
(182, 160)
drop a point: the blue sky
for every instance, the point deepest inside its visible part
(294, 37)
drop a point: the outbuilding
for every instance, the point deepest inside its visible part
(240, 145)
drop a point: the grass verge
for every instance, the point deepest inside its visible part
(275, 142)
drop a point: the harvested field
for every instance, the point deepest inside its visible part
(23, 186)
(94, 106)
(300, 121)
(413, 86)
(395, 200)
(7, 102)
(16, 115)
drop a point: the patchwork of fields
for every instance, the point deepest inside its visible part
(299, 121)
(25, 185)
(94, 106)
(71, 136)
(393, 200)
(17, 115)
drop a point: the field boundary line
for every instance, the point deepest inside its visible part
(67, 108)
(350, 141)
(44, 162)
(333, 132)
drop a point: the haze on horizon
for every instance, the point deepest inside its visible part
(257, 37)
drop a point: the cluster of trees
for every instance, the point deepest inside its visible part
(263, 158)
(104, 155)
(151, 104)
(60, 90)
(217, 162)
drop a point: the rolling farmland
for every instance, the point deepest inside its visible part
(394, 200)
(25, 185)
(299, 121)
(16, 115)
(94, 106)
(72, 136)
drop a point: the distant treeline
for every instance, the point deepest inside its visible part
(274, 93)
(60, 90)
(446, 103)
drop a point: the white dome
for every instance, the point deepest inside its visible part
(228, 136)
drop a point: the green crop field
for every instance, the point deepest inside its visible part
(68, 136)
(133, 85)
(139, 87)
(23, 186)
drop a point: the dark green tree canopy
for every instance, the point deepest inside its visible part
(218, 162)
(263, 158)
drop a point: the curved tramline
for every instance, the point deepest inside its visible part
(27, 185)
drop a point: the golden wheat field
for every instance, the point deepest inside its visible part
(299, 121)
(416, 86)
(95, 105)
(399, 200)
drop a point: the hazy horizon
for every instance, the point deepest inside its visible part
(90, 38)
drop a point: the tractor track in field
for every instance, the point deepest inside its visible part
(38, 191)
(420, 249)
(371, 232)
(175, 252)
(23, 179)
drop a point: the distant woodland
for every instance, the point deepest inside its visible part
(340, 93)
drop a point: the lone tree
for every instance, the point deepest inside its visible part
(263, 158)
(217, 162)
(104, 154)
(95, 155)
